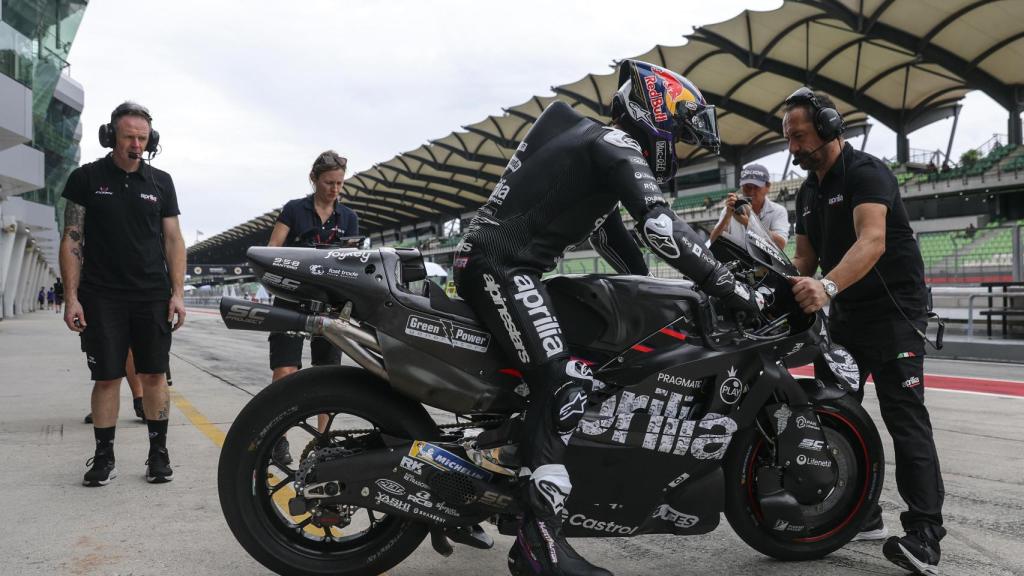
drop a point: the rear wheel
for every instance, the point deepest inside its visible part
(256, 480)
(857, 451)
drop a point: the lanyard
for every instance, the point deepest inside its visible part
(334, 230)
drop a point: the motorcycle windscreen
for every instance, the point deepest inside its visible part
(758, 243)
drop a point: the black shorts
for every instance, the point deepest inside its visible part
(112, 326)
(286, 350)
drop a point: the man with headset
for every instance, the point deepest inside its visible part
(122, 258)
(851, 221)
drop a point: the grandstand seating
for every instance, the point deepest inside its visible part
(697, 200)
(1002, 158)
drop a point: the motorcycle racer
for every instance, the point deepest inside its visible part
(565, 182)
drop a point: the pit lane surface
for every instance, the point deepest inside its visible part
(53, 525)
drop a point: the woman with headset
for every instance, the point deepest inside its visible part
(317, 219)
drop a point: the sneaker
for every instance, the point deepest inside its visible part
(914, 552)
(158, 466)
(88, 418)
(140, 413)
(101, 470)
(874, 530)
(282, 452)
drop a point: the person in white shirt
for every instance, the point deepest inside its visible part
(754, 184)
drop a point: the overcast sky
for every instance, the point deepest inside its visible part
(246, 94)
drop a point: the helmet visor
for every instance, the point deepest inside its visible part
(697, 125)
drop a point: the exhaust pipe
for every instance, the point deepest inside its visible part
(241, 314)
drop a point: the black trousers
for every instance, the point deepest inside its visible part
(517, 310)
(892, 353)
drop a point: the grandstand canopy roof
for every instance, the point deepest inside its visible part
(906, 63)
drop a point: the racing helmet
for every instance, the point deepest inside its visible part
(658, 108)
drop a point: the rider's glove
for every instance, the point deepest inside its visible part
(742, 302)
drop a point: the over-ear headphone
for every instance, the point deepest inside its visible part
(828, 122)
(108, 134)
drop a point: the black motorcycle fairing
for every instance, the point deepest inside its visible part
(604, 315)
(440, 375)
(331, 276)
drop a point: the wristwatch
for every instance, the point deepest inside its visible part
(830, 288)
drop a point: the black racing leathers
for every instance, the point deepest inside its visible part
(565, 182)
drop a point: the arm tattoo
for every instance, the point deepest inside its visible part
(74, 218)
(78, 254)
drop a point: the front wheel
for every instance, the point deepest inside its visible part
(857, 451)
(342, 408)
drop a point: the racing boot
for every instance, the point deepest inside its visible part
(540, 548)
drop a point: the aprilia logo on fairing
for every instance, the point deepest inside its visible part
(494, 291)
(661, 425)
(608, 527)
(546, 326)
(677, 518)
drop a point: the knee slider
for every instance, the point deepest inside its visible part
(570, 399)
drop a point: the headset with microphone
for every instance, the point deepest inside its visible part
(108, 132)
(829, 125)
(828, 122)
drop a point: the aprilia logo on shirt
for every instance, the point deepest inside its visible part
(104, 191)
(149, 197)
(835, 200)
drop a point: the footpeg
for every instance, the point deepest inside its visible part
(440, 542)
(473, 536)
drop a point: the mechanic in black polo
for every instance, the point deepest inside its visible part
(122, 259)
(851, 221)
(319, 219)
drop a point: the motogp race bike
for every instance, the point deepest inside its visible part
(702, 404)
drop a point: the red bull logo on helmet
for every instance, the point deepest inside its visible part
(677, 90)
